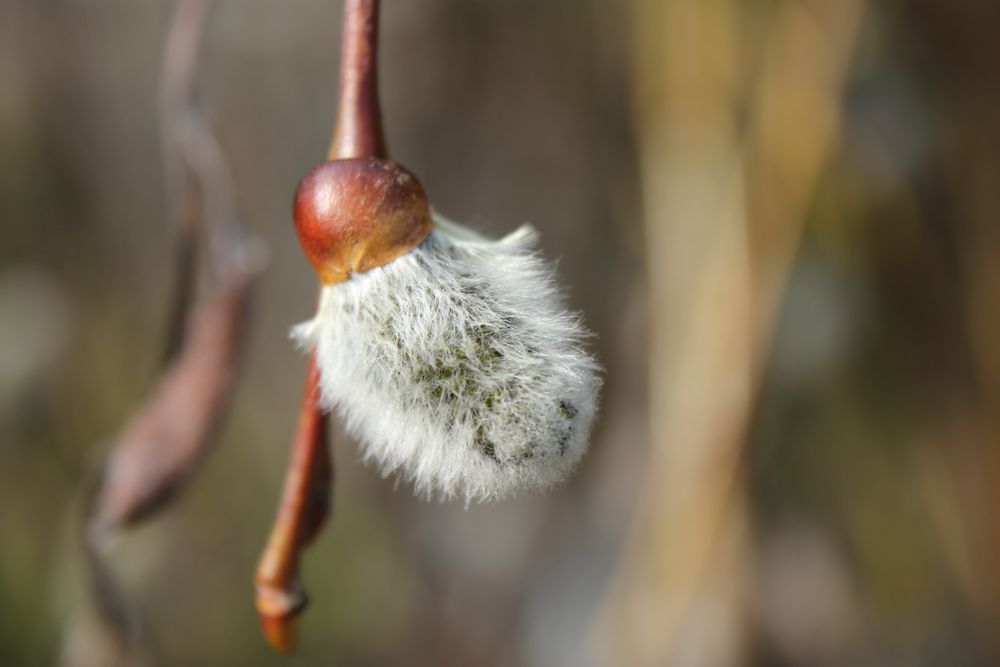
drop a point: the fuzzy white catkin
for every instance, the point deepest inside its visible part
(458, 366)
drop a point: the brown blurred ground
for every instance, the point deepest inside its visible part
(782, 219)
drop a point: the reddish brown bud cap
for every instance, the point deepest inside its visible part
(354, 215)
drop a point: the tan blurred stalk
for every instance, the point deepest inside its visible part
(724, 206)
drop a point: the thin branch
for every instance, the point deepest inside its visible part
(358, 130)
(180, 54)
(306, 494)
(161, 445)
(305, 504)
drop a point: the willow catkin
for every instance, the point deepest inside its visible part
(457, 365)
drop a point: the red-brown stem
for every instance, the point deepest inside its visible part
(359, 118)
(306, 494)
(305, 503)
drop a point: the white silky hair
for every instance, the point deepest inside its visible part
(458, 366)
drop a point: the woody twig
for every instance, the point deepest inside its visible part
(305, 499)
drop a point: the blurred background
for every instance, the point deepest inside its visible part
(780, 217)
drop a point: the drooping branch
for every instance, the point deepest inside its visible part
(167, 436)
(171, 431)
(180, 55)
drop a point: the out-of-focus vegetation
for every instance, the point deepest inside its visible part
(782, 219)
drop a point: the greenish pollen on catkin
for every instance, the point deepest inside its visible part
(450, 375)
(457, 373)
